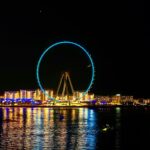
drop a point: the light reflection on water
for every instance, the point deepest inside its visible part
(47, 128)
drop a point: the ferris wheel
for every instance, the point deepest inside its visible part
(65, 76)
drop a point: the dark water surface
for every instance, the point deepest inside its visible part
(76, 128)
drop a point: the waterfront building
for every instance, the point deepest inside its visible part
(23, 94)
(116, 99)
(16, 95)
(29, 94)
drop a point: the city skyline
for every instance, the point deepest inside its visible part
(77, 99)
(74, 75)
(117, 41)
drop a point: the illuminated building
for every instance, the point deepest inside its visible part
(128, 100)
(6, 95)
(29, 94)
(46, 96)
(86, 97)
(11, 95)
(116, 99)
(16, 95)
(22, 94)
(147, 101)
(1, 97)
(91, 96)
(38, 94)
(51, 92)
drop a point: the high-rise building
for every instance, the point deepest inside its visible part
(16, 95)
(29, 94)
(22, 94)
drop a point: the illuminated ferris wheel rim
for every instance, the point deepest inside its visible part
(57, 44)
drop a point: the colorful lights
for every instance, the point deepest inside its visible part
(23, 100)
(36, 97)
(62, 43)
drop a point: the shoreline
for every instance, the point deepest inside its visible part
(65, 107)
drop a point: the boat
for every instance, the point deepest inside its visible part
(107, 128)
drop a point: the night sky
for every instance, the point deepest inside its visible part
(116, 34)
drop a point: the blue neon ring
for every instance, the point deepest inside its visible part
(56, 44)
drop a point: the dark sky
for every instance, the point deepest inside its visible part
(116, 35)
